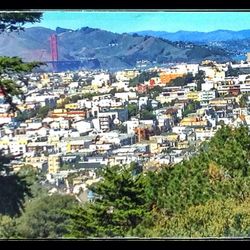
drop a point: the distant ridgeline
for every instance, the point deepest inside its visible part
(94, 49)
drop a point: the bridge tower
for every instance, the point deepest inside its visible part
(54, 51)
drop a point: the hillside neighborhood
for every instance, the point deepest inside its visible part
(72, 124)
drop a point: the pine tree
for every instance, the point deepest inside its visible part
(11, 68)
(14, 21)
(120, 205)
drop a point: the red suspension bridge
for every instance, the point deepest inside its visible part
(54, 55)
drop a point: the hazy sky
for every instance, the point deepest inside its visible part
(136, 21)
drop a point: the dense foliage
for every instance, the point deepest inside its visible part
(9, 67)
(205, 195)
(198, 78)
(119, 206)
(44, 217)
(243, 100)
(14, 21)
(15, 188)
(182, 81)
(191, 107)
(216, 218)
(144, 76)
(12, 194)
(132, 110)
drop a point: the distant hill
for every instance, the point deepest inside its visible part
(194, 36)
(103, 49)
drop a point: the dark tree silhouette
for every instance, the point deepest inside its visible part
(12, 21)
(14, 188)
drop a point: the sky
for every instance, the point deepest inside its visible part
(121, 21)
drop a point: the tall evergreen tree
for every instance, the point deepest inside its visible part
(120, 205)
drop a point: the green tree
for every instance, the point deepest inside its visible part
(29, 173)
(25, 115)
(223, 162)
(10, 21)
(219, 171)
(119, 206)
(178, 81)
(216, 218)
(191, 107)
(9, 67)
(200, 78)
(43, 217)
(132, 110)
(22, 116)
(182, 81)
(90, 95)
(43, 111)
(19, 188)
(13, 21)
(65, 101)
(75, 98)
(147, 115)
(230, 148)
(7, 227)
(154, 92)
(33, 177)
(144, 76)
(243, 100)
(12, 196)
